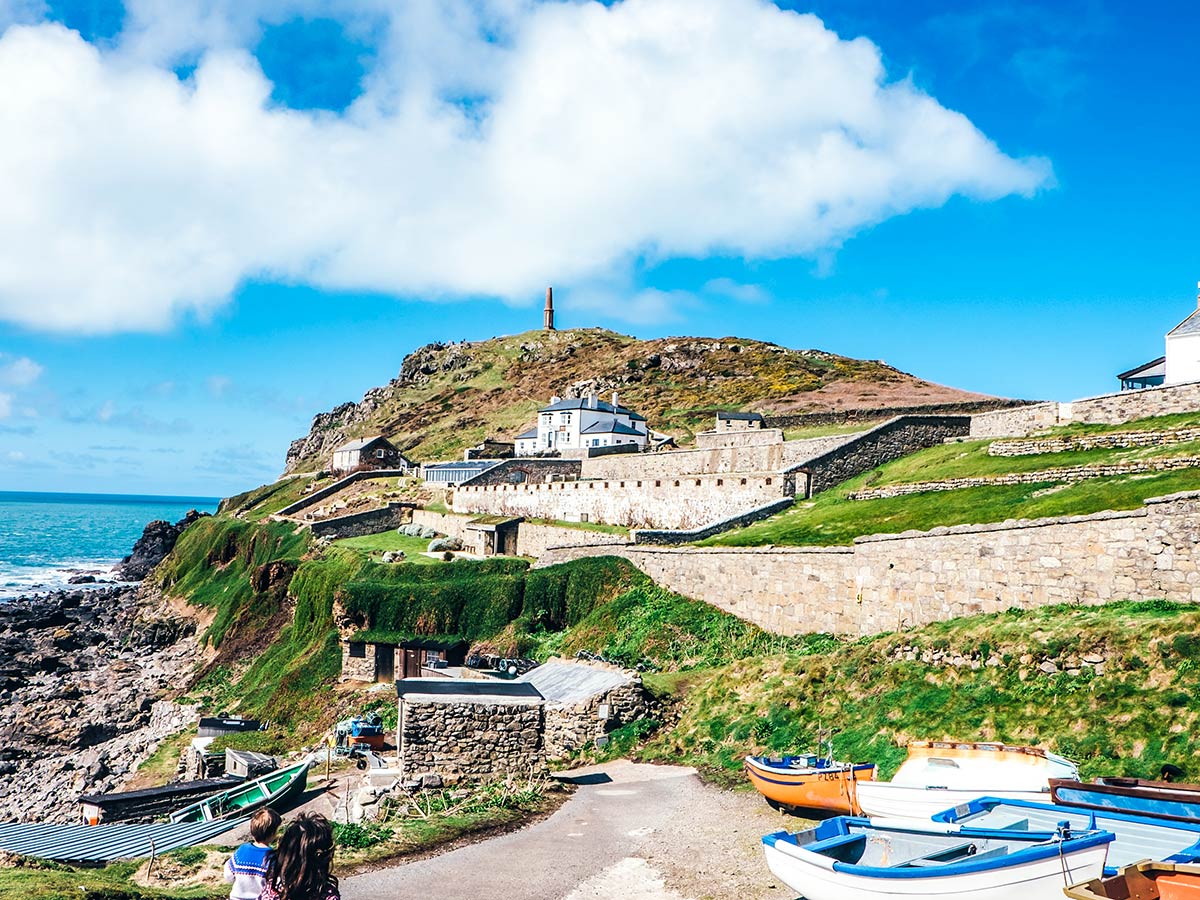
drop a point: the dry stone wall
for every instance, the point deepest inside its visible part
(644, 502)
(372, 521)
(771, 457)
(1106, 409)
(873, 448)
(516, 471)
(534, 540)
(445, 523)
(1019, 421)
(742, 437)
(889, 582)
(1117, 440)
(472, 739)
(1064, 473)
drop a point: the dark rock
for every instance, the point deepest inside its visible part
(157, 540)
(82, 579)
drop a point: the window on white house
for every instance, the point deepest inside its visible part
(379, 454)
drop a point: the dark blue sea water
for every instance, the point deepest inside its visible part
(47, 538)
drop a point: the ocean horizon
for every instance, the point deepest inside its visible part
(48, 537)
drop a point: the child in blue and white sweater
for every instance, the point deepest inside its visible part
(247, 868)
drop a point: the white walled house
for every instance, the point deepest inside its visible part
(581, 423)
(1183, 350)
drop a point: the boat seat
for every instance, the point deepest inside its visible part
(974, 857)
(847, 848)
(937, 857)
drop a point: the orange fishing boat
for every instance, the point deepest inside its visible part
(797, 783)
(1143, 881)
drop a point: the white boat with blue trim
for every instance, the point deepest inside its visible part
(1136, 837)
(849, 858)
(939, 775)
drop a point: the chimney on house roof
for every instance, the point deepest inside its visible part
(614, 400)
(592, 401)
(554, 398)
(548, 312)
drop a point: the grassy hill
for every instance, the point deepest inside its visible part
(451, 396)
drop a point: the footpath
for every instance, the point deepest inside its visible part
(630, 832)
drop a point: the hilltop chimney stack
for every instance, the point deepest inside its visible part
(548, 312)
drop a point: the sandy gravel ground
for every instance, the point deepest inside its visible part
(630, 832)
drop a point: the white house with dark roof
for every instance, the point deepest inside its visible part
(369, 453)
(1182, 360)
(580, 423)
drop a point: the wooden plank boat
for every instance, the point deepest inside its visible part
(1143, 881)
(797, 783)
(848, 858)
(269, 790)
(941, 774)
(1162, 799)
(1135, 837)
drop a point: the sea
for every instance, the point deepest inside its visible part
(46, 538)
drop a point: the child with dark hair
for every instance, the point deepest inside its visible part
(247, 868)
(299, 868)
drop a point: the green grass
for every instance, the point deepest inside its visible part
(816, 431)
(46, 881)
(375, 545)
(1139, 713)
(582, 526)
(1153, 423)
(830, 518)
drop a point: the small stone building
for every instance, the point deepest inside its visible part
(384, 662)
(369, 453)
(585, 701)
(738, 421)
(479, 730)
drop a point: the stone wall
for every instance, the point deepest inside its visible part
(373, 521)
(772, 457)
(869, 416)
(889, 582)
(527, 470)
(658, 536)
(1061, 474)
(472, 738)
(742, 437)
(1106, 409)
(570, 727)
(329, 490)
(1019, 421)
(1115, 440)
(534, 540)
(445, 523)
(358, 668)
(681, 502)
(881, 444)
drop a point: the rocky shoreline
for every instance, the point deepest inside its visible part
(85, 681)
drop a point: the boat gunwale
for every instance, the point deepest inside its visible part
(1147, 790)
(269, 797)
(1042, 846)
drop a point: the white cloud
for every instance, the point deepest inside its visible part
(18, 371)
(5, 405)
(732, 290)
(657, 128)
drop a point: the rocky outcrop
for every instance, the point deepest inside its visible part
(84, 677)
(157, 540)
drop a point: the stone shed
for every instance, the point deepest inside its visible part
(585, 701)
(478, 730)
(386, 661)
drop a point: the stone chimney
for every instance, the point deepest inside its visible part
(548, 312)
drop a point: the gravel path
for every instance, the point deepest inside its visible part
(630, 832)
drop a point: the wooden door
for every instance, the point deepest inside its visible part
(385, 662)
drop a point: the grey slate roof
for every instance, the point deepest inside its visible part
(561, 681)
(101, 843)
(359, 444)
(1190, 325)
(740, 416)
(1147, 370)
(601, 406)
(466, 688)
(525, 435)
(611, 428)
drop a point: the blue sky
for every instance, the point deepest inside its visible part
(182, 355)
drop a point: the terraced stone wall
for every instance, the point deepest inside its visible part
(890, 582)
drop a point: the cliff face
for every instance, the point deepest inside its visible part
(450, 396)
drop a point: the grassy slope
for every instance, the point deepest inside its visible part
(1139, 713)
(494, 387)
(831, 518)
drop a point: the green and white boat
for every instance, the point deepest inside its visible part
(269, 790)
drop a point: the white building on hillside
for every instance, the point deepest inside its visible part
(1181, 362)
(581, 423)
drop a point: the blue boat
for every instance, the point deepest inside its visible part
(1135, 837)
(850, 858)
(1161, 799)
